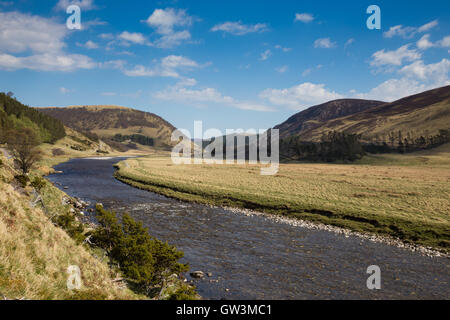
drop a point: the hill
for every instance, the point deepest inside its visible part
(15, 115)
(122, 128)
(314, 117)
(413, 117)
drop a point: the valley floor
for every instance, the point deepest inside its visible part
(404, 196)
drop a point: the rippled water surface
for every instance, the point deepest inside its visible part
(257, 258)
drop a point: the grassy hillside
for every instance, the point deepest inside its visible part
(405, 196)
(314, 117)
(15, 115)
(108, 121)
(420, 115)
(35, 254)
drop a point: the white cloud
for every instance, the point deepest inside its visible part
(107, 36)
(83, 4)
(47, 62)
(238, 28)
(173, 39)
(142, 71)
(165, 21)
(409, 32)
(63, 90)
(174, 62)
(434, 72)
(393, 89)
(169, 66)
(44, 38)
(416, 77)
(325, 43)
(399, 30)
(304, 17)
(21, 32)
(133, 37)
(395, 57)
(282, 69)
(88, 45)
(428, 26)
(424, 42)
(445, 42)
(265, 55)
(301, 96)
(114, 64)
(206, 96)
(349, 42)
(187, 82)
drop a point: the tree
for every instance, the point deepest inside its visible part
(145, 261)
(23, 146)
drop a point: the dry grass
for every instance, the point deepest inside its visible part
(408, 197)
(35, 254)
(66, 144)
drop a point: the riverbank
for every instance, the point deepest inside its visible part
(253, 257)
(35, 252)
(401, 205)
(42, 232)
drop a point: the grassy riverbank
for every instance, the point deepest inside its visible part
(404, 196)
(35, 253)
(35, 250)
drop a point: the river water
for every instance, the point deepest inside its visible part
(252, 257)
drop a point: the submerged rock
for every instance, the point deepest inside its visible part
(197, 274)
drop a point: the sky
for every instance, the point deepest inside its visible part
(231, 64)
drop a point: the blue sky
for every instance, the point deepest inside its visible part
(233, 64)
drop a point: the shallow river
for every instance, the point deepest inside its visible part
(252, 257)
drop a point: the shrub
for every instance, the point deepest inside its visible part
(38, 183)
(145, 261)
(22, 180)
(74, 229)
(58, 152)
(184, 292)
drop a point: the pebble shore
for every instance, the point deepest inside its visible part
(426, 251)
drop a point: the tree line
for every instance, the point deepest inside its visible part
(333, 146)
(15, 115)
(409, 142)
(138, 138)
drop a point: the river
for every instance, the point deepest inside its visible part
(252, 257)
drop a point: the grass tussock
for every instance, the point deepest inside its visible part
(405, 196)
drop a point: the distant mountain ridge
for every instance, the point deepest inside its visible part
(315, 116)
(422, 114)
(107, 121)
